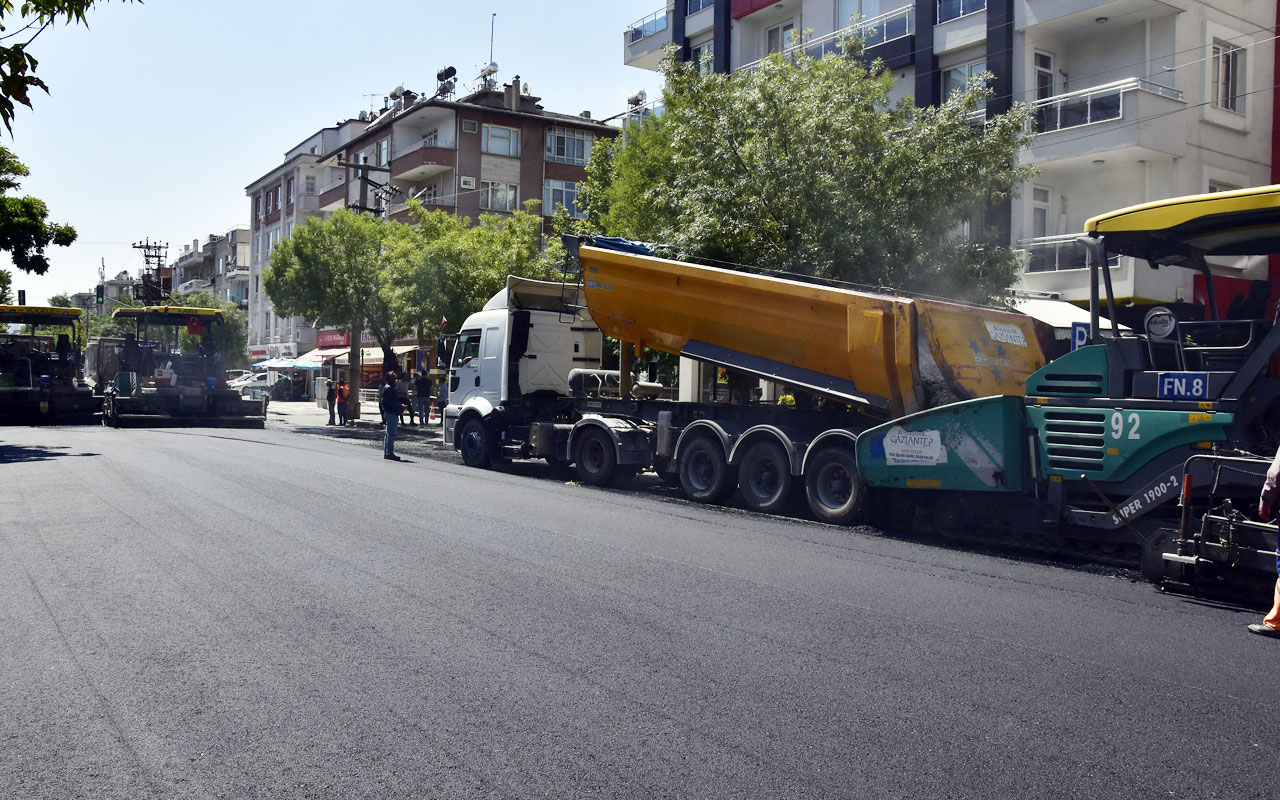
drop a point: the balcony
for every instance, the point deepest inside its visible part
(333, 196)
(423, 162)
(1124, 115)
(1059, 265)
(954, 9)
(237, 273)
(644, 39)
(896, 27)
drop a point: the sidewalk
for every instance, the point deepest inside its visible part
(305, 413)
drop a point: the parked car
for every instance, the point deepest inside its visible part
(244, 383)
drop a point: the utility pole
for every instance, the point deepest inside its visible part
(153, 256)
(354, 365)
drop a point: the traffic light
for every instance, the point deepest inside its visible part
(101, 294)
(22, 297)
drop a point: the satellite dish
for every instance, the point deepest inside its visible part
(525, 88)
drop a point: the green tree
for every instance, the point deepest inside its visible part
(25, 231)
(448, 267)
(60, 301)
(335, 272)
(805, 165)
(6, 287)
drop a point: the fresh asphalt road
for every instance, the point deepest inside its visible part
(242, 614)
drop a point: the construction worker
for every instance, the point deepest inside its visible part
(1267, 502)
(341, 395)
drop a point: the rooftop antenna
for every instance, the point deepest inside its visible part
(492, 20)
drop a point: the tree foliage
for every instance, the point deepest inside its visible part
(449, 267)
(336, 273)
(805, 165)
(6, 287)
(61, 300)
(25, 231)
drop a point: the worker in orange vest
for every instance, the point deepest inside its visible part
(342, 395)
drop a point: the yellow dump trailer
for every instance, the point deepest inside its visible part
(872, 350)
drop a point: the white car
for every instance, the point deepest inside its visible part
(246, 382)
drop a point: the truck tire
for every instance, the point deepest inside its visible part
(833, 488)
(764, 476)
(476, 443)
(704, 472)
(595, 458)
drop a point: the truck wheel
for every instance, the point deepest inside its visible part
(765, 477)
(476, 443)
(833, 488)
(704, 472)
(595, 457)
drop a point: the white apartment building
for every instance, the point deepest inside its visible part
(219, 266)
(278, 202)
(1135, 100)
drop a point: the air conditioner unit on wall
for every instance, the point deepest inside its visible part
(467, 183)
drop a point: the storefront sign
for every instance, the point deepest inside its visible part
(332, 338)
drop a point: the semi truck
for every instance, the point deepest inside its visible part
(525, 378)
(40, 367)
(168, 368)
(1145, 448)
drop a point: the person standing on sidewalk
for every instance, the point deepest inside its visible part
(332, 397)
(342, 395)
(389, 406)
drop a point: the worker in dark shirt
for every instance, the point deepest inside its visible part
(389, 407)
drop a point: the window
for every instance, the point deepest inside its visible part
(958, 78)
(309, 184)
(1228, 77)
(1039, 212)
(568, 146)
(467, 348)
(384, 152)
(704, 55)
(279, 191)
(498, 196)
(470, 126)
(288, 192)
(500, 141)
(257, 207)
(431, 194)
(431, 138)
(778, 37)
(1220, 186)
(561, 193)
(950, 9)
(1044, 76)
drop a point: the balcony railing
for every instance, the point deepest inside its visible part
(655, 22)
(1095, 104)
(897, 24)
(697, 5)
(1053, 253)
(953, 9)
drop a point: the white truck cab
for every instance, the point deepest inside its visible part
(518, 349)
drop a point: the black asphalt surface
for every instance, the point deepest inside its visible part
(270, 614)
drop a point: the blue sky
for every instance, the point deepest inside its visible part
(160, 114)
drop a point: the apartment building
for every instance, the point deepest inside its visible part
(1134, 100)
(219, 266)
(279, 201)
(488, 152)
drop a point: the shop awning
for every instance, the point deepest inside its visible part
(1058, 314)
(323, 354)
(373, 355)
(286, 363)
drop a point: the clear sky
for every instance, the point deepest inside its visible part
(160, 114)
